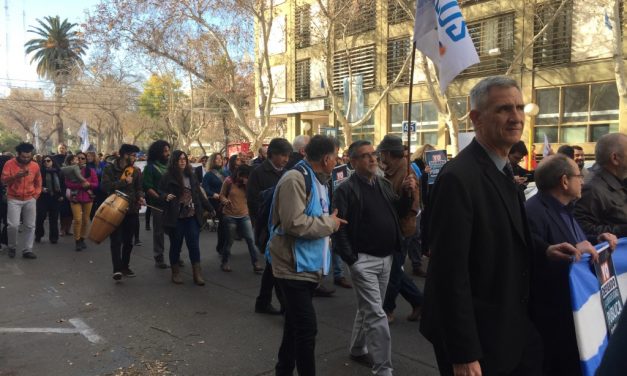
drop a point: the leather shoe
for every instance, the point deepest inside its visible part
(364, 360)
(323, 292)
(29, 255)
(268, 310)
(343, 282)
(415, 314)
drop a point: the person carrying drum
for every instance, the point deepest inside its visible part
(121, 177)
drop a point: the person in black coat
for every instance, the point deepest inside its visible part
(184, 202)
(476, 302)
(52, 193)
(559, 183)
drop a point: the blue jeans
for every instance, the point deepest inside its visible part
(338, 270)
(186, 229)
(400, 283)
(245, 228)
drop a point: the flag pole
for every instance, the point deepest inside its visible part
(411, 87)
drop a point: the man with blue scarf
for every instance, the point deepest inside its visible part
(300, 227)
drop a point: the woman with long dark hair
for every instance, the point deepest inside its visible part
(183, 202)
(82, 199)
(52, 190)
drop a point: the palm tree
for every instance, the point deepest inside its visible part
(58, 51)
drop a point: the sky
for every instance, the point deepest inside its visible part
(15, 67)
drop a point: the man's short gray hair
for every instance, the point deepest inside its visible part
(300, 142)
(606, 145)
(479, 93)
(550, 171)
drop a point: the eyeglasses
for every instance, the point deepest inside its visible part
(373, 155)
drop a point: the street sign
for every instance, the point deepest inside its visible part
(412, 126)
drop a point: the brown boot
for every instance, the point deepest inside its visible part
(176, 275)
(197, 276)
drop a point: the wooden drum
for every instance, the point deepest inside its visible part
(108, 216)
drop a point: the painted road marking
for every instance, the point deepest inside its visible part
(80, 327)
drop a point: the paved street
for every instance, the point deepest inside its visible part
(63, 314)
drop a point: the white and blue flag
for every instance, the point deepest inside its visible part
(588, 311)
(441, 34)
(83, 133)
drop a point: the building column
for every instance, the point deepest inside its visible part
(293, 126)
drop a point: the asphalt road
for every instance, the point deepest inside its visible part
(62, 314)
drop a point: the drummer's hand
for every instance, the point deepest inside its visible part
(129, 179)
(170, 197)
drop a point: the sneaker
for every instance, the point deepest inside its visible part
(129, 273)
(257, 268)
(138, 243)
(117, 276)
(78, 246)
(29, 255)
(83, 244)
(11, 252)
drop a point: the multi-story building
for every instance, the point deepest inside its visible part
(569, 70)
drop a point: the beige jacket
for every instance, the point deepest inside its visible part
(289, 213)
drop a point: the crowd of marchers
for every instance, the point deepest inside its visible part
(496, 298)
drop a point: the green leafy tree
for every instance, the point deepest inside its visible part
(58, 51)
(8, 140)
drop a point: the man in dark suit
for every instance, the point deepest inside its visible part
(475, 311)
(551, 221)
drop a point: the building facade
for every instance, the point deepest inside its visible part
(561, 52)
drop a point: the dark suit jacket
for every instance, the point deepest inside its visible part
(550, 304)
(478, 282)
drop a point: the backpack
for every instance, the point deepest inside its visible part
(262, 233)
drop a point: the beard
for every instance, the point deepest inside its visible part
(580, 165)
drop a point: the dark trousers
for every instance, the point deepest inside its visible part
(47, 206)
(530, 363)
(186, 229)
(3, 221)
(122, 242)
(400, 282)
(222, 232)
(299, 330)
(265, 290)
(148, 214)
(414, 246)
(136, 227)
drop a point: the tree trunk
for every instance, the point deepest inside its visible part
(57, 122)
(619, 62)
